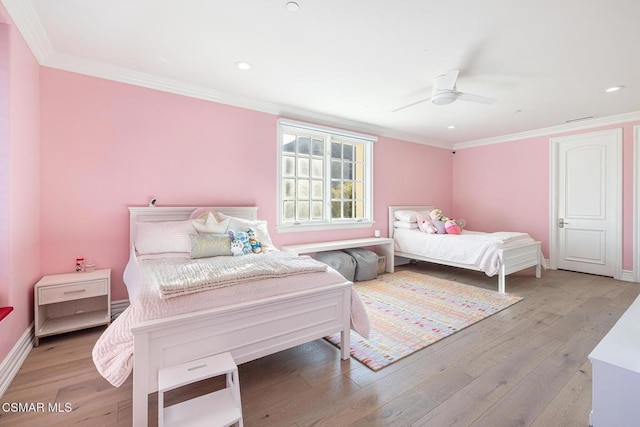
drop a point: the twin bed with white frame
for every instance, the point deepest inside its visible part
(248, 330)
(510, 259)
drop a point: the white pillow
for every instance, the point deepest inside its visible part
(163, 237)
(239, 224)
(408, 215)
(210, 225)
(405, 216)
(405, 225)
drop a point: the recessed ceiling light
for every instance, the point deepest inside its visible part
(292, 6)
(243, 65)
(451, 127)
(614, 89)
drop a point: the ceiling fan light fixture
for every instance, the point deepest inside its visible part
(443, 98)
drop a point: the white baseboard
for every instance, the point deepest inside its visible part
(117, 307)
(628, 276)
(11, 364)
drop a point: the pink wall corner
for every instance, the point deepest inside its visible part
(506, 187)
(411, 174)
(107, 146)
(21, 264)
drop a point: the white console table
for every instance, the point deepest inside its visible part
(616, 373)
(384, 246)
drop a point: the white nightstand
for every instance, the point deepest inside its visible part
(72, 301)
(220, 408)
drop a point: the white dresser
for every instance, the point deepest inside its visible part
(616, 373)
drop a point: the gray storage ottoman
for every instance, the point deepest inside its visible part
(366, 263)
(340, 261)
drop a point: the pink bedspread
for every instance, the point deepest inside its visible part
(113, 352)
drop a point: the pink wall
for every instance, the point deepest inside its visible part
(20, 217)
(506, 187)
(107, 145)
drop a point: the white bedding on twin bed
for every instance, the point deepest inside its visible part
(470, 248)
(113, 351)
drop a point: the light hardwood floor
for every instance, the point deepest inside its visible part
(524, 366)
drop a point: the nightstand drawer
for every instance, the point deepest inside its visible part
(80, 290)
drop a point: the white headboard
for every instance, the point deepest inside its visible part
(181, 213)
(392, 209)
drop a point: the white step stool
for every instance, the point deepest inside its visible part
(220, 408)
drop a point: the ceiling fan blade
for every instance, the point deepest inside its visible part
(447, 81)
(475, 98)
(411, 105)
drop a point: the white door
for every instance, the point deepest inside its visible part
(587, 188)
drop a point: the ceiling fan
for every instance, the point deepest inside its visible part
(445, 92)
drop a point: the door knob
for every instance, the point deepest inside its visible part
(561, 222)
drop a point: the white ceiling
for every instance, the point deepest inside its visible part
(349, 63)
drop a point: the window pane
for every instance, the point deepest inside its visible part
(289, 188)
(359, 171)
(289, 143)
(347, 152)
(303, 210)
(359, 153)
(336, 190)
(303, 167)
(317, 147)
(303, 188)
(347, 190)
(317, 168)
(317, 192)
(358, 208)
(289, 211)
(288, 166)
(336, 210)
(359, 190)
(347, 171)
(348, 213)
(336, 168)
(316, 210)
(303, 145)
(336, 150)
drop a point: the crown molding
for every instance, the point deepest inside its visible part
(26, 19)
(553, 130)
(109, 72)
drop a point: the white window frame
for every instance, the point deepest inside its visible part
(327, 224)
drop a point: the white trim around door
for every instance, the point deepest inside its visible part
(636, 203)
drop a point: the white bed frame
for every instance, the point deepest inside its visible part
(511, 259)
(248, 330)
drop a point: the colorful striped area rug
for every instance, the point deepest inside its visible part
(409, 311)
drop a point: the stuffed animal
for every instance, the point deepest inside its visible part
(256, 246)
(452, 227)
(239, 243)
(437, 215)
(244, 238)
(425, 225)
(236, 248)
